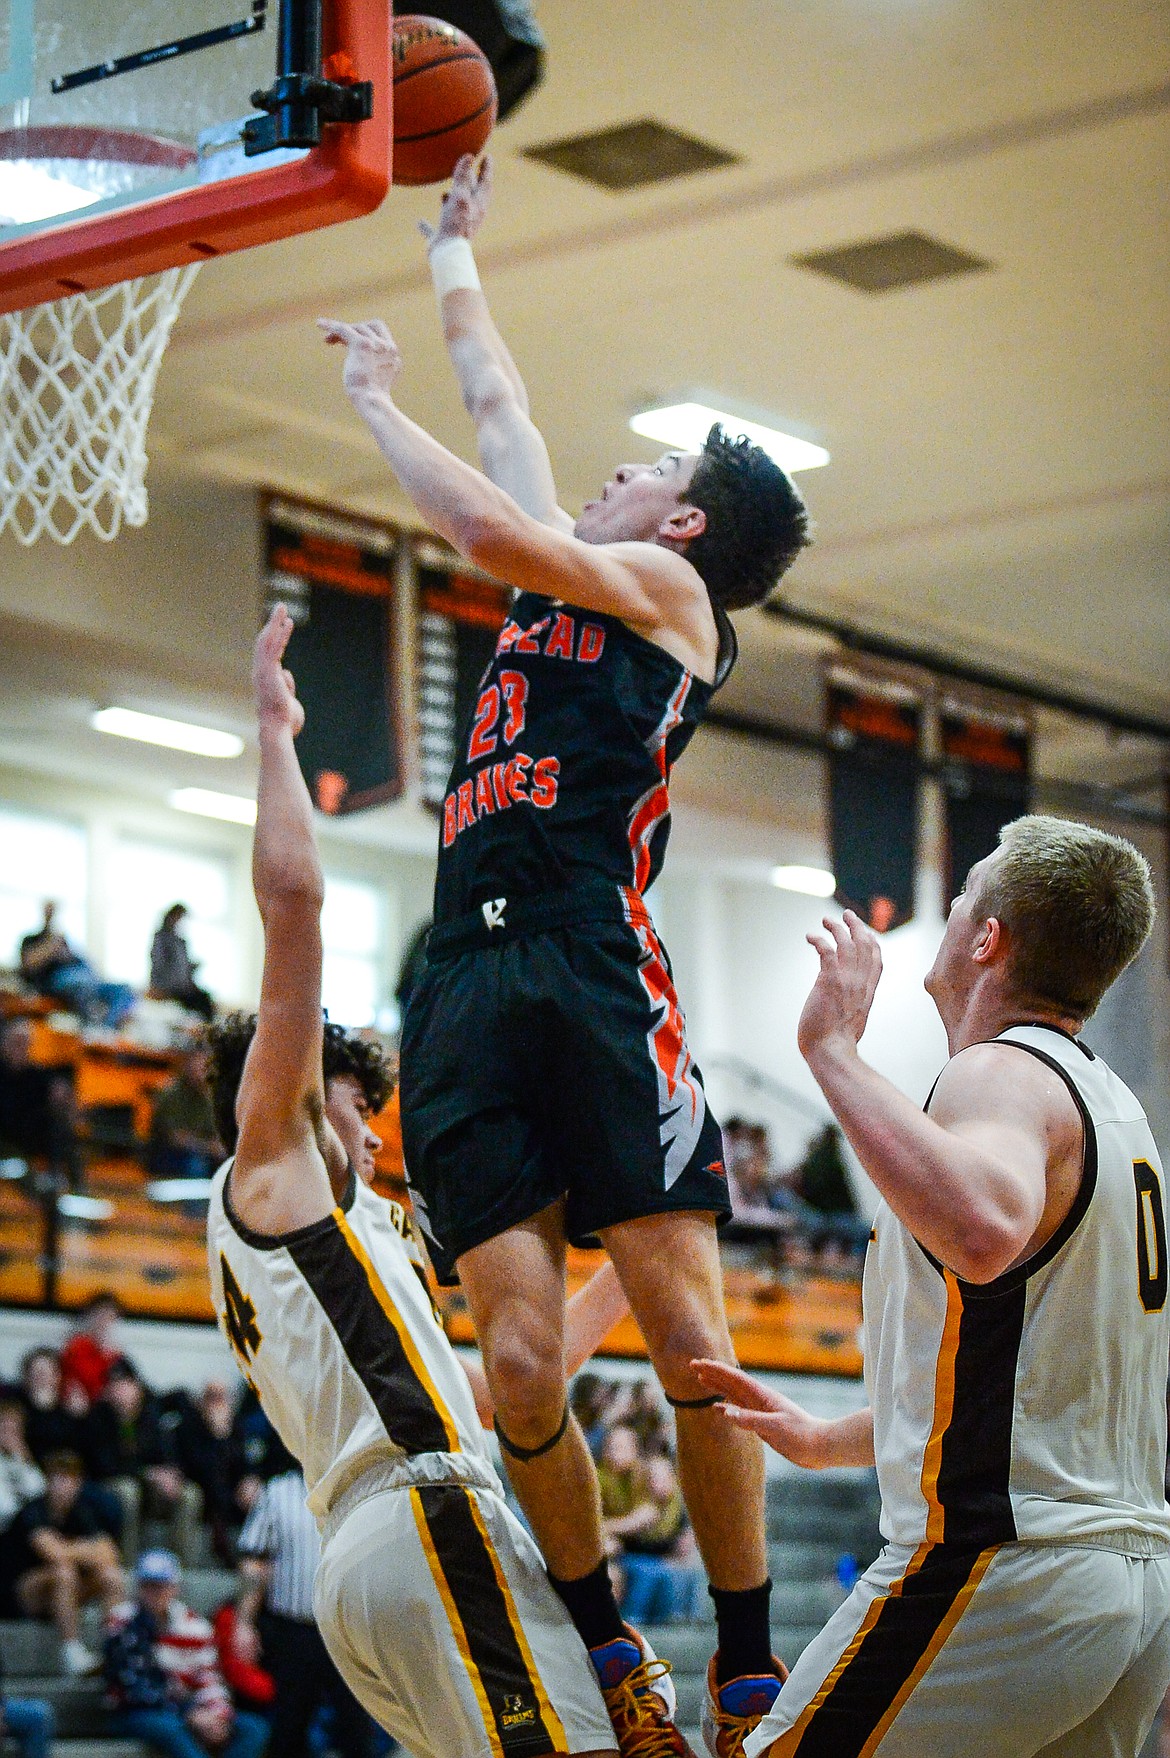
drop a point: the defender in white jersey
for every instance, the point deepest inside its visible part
(1016, 1342)
(430, 1596)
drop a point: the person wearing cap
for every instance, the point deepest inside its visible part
(59, 1554)
(163, 1681)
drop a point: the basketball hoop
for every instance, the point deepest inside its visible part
(78, 375)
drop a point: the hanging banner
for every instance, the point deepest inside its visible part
(336, 575)
(459, 619)
(986, 782)
(874, 732)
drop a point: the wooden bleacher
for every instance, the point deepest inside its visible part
(153, 1256)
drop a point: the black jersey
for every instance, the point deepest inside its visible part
(564, 769)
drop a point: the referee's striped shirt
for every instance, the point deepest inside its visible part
(281, 1529)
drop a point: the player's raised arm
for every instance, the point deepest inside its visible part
(511, 448)
(969, 1180)
(643, 583)
(279, 1179)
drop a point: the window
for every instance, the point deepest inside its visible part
(40, 858)
(142, 882)
(353, 934)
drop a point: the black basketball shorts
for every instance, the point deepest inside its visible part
(553, 1064)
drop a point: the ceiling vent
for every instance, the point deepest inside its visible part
(901, 259)
(631, 154)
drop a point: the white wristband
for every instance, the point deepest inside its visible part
(453, 266)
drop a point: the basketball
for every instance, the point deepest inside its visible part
(444, 98)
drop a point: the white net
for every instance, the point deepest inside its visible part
(77, 382)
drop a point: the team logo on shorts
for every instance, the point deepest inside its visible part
(517, 1713)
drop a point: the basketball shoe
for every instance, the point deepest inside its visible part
(639, 1695)
(733, 1711)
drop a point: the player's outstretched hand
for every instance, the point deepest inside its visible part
(273, 686)
(839, 1002)
(465, 204)
(372, 358)
(776, 1419)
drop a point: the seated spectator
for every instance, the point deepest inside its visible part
(241, 1662)
(28, 1722)
(58, 1554)
(257, 1451)
(163, 1683)
(642, 1510)
(172, 972)
(38, 1118)
(183, 1142)
(663, 1575)
(89, 1354)
(203, 1447)
(53, 1413)
(589, 1398)
(20, 1477)
(49, 965)
(279, 1551)
(751, 1184)
(821, 1181)
(129, 1440)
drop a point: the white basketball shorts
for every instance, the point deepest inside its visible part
(1019, 1651)
(435, 1605)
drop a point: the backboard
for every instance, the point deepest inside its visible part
(122, 132)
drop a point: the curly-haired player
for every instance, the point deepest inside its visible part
(431, 1598)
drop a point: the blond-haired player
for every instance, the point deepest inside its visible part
(1016, 1341)
(431, 1598)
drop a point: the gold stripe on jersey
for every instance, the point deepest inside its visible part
(788, 1744)
(550, 1717)
(418, 1366)
(944, 1409)
(455, 1621)
(962, 1598)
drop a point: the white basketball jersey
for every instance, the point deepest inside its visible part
(334, 1327)
(1033, 1407)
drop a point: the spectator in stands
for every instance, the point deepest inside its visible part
(821, 1181)
(590, 1397)
(172, 972)
(91, 1352)
(53, 1413)
(50, 965)
(20, 1476)
(642, 1509)
(59, 1554)
(183, 1142)
(279, 1550)
(257, 1451)
(130, 1442)
(663, 1573)
(27, 1721)
(750, 1181)
(241, 1661)
(38, 1117)
(203, 1443)
(163, 1683)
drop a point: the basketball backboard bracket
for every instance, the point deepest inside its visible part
(301, 99)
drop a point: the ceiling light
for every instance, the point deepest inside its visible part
(178, 735)
(205, 803)
(813, 881)
(687, 425)
(27, 193)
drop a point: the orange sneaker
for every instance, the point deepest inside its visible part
(733, 1711)
(640, 1698)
